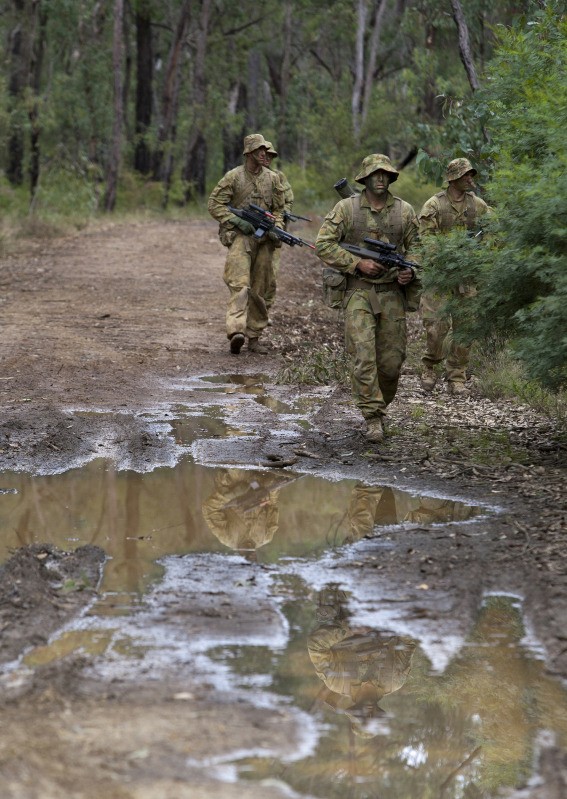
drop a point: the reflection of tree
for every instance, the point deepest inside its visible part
(242, 512)
(358, 665)
(371, 505)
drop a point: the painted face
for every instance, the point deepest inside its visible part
(378, 181)
(261, 156)
(465, 182)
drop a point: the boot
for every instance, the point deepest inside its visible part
(458, 389)
(236, 342)
(375, 430)
(255, 346)
(428, 379)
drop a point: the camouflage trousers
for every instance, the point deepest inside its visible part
(376, 346)
(440, 344)
(247, 273)
(271, 292)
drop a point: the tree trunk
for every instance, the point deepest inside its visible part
(19, 47)
(464, 44)
(233, 133)
(169, 104)
(361, 10)
(117, 58)
(194, 172)
(37, 52)
(144, 84)
(372, 56)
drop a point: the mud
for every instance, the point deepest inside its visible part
(113, 354)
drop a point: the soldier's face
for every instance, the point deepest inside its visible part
(261, 156)
(465, 182)
(378, 182)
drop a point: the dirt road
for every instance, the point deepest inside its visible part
(112, 321)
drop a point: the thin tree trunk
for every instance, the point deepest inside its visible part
(117, 58)
(358, 67)
(19, 79)
(144, 83)
(464, 44)
(194, 171)
(372, 56)
(231, 136)
(169, 104)
(37, 52)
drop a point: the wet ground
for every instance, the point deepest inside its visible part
(254, 604)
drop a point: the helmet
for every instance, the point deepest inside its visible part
(253, 142)
(374, 162)
(459, 167)
(271, 149)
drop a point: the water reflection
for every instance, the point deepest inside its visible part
(392, 729)
(243, 510)
(357, 664)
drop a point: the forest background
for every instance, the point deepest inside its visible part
(141, 105)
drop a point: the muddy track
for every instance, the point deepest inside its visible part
(101, 335)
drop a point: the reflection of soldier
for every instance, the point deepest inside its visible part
(372, 505)
(242, 512)
(358, 665)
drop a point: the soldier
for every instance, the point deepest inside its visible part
(455, 206)
(248, 267)
(374, 302)
(288, 205)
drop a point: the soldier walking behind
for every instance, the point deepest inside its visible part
(248, 267)
(288, 205)
(455, 206)
(374, 300)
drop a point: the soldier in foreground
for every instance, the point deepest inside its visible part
(248, 267)
(374, 295)
(455, 206)
(271, 153)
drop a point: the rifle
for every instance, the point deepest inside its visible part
(344, 189)
(383, 252)
(288, 217)
(265, 222)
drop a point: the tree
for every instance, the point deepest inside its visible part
(520, 269)
(115, 154)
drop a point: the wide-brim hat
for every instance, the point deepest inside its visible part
(372, 163)
(271, 149)
(253, 142)
(459, 167)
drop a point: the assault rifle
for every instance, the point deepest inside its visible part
(383, 252)
(265, 222)
(289, 217)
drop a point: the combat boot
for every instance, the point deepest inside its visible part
(428, 379)
(255, 346)
(375, 430)
(458, 389)
(236, 342)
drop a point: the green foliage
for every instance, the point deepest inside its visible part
(520, 268)
(316, 365)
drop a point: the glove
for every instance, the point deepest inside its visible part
(275, 239)
(243, 226)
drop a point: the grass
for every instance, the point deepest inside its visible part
(316, 366)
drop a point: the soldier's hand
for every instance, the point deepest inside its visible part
(370, 268)
(275, 239)
(405, 276)
(243, 226)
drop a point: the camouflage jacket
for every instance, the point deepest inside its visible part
(395, 223)
(239, 187)
(440, 213)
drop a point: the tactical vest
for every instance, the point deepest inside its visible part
(365, 225)
(449, 217)
(247, 190)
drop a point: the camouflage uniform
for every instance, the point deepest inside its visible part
(440, 214)
(374, 308)
(288, 205)
(248, 267)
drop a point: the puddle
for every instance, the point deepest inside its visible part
(388, 726)
(138, 518)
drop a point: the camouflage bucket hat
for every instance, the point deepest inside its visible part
(253, 142)
(459, 167)
(374, 162)
(271, 149)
